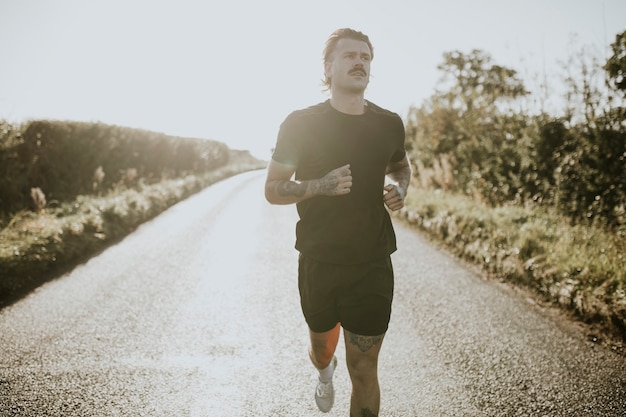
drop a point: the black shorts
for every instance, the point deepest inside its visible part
(357, 296)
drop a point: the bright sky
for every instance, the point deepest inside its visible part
(233, 70)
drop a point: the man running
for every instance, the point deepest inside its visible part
(341, 152)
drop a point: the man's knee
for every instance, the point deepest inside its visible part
(321, 354)
(323, 346)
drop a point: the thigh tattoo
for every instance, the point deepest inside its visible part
(365, 412)
(364, 343)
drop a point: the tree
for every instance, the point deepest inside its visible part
(616, 64)
(466, 128)
(591, 162)
(476, 82)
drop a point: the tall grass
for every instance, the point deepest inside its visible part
(579, 267)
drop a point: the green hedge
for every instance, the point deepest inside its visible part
(63, 159)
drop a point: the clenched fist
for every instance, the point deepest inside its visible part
(394, 197)
(336, 182)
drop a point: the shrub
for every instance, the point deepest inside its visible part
(67, 159)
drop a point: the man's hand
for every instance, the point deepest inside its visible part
(336, 182)
(394, 197)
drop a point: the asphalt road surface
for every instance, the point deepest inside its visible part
(197, 314)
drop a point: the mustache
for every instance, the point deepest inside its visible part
(357, 70)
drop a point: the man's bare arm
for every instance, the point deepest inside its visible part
(281, 189)
(400, 172)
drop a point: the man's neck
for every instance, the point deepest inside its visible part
(348, 103)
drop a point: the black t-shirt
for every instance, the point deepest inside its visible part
(356, 227)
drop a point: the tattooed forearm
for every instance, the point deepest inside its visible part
(290, 188)
(400, 172)
(364, 343)
(279, 189)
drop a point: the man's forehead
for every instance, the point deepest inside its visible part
(352, 45)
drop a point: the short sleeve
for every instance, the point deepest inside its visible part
(287, 150)
(399, 137)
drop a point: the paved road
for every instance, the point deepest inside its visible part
(197, 314)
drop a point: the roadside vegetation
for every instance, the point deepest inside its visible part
(580, 268)
(71, 189)
(533, 197)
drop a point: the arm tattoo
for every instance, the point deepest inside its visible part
(324, 186)
(290, 188)
(365, 412)
(401, 172)
(364, 343)
(398, 165)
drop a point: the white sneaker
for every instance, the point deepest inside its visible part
(325, 392)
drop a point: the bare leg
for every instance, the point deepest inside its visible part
(323, 346)
(362, 359)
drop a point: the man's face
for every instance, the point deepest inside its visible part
(349, 67)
